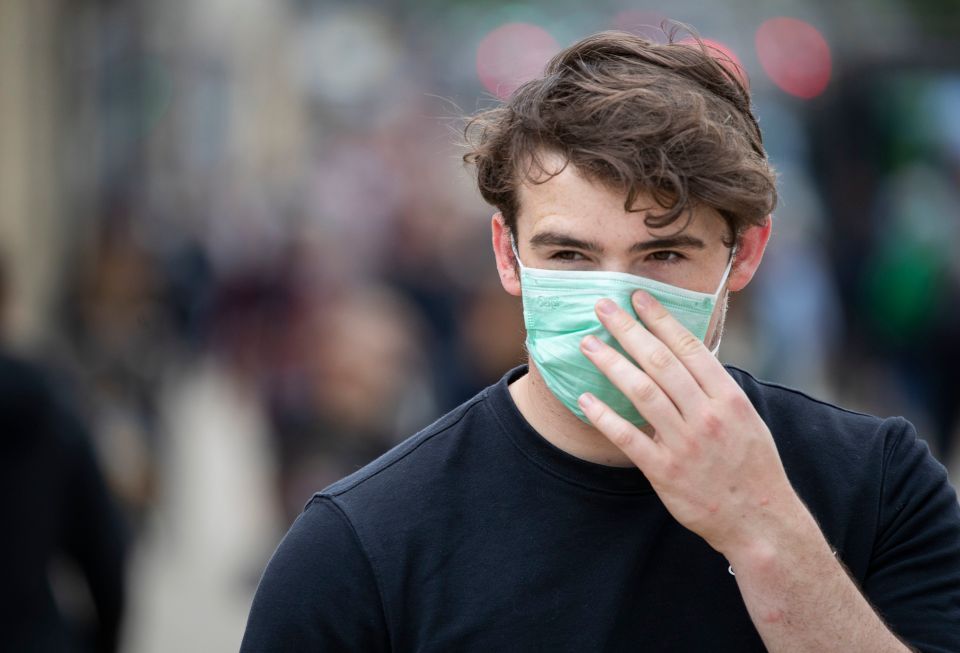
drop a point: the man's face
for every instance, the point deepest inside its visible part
(571, 223)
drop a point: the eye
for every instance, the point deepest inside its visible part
(667, 256)
(567, 255)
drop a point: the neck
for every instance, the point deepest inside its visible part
(561, 428)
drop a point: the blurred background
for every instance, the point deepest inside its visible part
(240, 257)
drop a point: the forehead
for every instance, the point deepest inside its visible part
(572, 202)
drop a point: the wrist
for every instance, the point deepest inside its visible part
(772, 535)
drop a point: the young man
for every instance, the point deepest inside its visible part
(625, 491)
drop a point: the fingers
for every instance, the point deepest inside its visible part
(649, 399)
(654, 357)
(693, 355)
(643, 451)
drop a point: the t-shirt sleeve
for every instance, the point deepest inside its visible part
(914, 575)
(318, 592)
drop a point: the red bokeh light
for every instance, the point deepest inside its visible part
(724, 55)
(513, 54)
(794, 55)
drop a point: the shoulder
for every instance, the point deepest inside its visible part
(834, 457)
(797, 418)
(858, 473)
(775, 395)
(319, 591)
(421, 461)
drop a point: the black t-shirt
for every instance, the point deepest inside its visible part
(477, 534)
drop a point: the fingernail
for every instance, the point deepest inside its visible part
(585, 400)
(591, 343)
(641, 299)
(606, 306)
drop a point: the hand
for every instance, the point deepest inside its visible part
(711, 459)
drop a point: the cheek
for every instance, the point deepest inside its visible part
(683, 274)
(708, 277)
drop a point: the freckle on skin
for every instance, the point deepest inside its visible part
(733, 488)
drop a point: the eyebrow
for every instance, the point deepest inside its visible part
(556, 239)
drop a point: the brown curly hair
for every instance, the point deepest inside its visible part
(671, 119)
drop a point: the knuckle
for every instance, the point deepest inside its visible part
(659, 314)
(661, 358)
(625, 323)
(673, 470)
(712, 424)
(622, 435)
(643, 390)
(691, 448)
(688, 345)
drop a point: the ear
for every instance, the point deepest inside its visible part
(502, 250)
(753, 242)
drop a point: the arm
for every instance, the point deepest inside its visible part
(914, 577)
(800, 598)
(715, 466)
(318, 592)
(914, 574)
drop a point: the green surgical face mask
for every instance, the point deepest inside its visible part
(558, 310)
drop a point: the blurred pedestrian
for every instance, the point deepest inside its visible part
(57, 515)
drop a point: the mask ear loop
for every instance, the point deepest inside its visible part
(723, 281)
(516, 253)
(726, 272)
